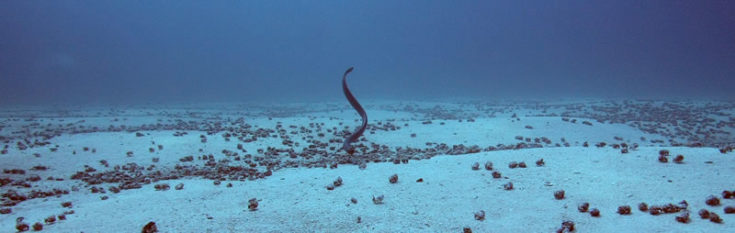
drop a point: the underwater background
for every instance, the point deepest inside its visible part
(195, 51)
(467, 116)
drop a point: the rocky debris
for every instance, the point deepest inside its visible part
(14, 171)
(161, 187)
(13, 197)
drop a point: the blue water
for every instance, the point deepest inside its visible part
(201, 51)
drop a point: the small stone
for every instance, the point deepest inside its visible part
(253, 204)
(595, 212)
(161, 187)
(655, 210)
(559, 195)
(488, 165)
(643, 207)
(679, 159)
(730, 209)
(683, 218)
(353, 200)
(49, 220)
(22, 227)
(330, 187)
(583, 207)
(569, 225)
(66, 204)
(508, 186)
(704, 214)
(712, 201)
(476, 166)
(150, 227)
(37, 226)
(466, 230)
(522, 164)
(480, 215)
(393, 179)
(624, 210)
(540, 163)
(378, 200)
(726, 194)
(496, 174)
(714, 218)
(338, 182)
(179, 186)
(513, 164)
(6, 211)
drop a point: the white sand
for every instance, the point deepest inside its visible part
(296, 200)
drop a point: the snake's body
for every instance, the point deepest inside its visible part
(356, 105)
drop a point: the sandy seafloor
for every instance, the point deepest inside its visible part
(295, 198)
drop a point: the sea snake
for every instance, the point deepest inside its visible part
(356, 105)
